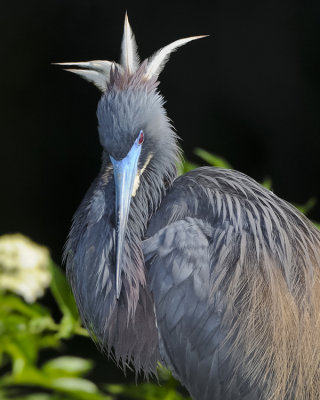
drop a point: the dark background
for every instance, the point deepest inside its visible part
(250, 93)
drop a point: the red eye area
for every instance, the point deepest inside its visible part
(141, 137)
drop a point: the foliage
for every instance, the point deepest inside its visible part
(167, 390)
(27, 327)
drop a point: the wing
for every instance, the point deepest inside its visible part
(234, 272)
(189, 318)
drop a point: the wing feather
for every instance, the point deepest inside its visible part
(252, 299)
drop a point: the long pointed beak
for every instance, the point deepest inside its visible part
(125, 172)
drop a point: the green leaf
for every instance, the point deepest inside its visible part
(13, 324)
(150, 391)
(163, 373)
(76, 388)
(70, 384)
(145, 391)
(38, 325)
(50, 340)
(62, 293)
(10, 395)
(16, 304)
(316, 224)
(308, 206)
(67, 326)
(67, 365)
(212, 159)
(185, 167)
(267, 183)
(20, 356)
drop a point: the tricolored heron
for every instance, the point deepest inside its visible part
(208, 272)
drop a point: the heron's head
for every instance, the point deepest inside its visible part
(133, 127)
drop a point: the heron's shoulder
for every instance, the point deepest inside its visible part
(207, 185)
(219, 178)
(223, 196)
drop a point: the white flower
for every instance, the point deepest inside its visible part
(24, 267)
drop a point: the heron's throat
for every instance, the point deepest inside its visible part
(127, 181)
(139, 173)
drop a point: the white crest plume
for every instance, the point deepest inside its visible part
(98, 71)
(129, 52)
(157, 62)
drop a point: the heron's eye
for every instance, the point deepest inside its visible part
(141, 137)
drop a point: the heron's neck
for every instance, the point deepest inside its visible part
(128, 325)
(153, 185)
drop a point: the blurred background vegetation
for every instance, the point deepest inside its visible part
(34, 360)
(33, 364)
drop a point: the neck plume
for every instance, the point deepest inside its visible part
(126, 327)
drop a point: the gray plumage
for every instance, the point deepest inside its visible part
(219, 277)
